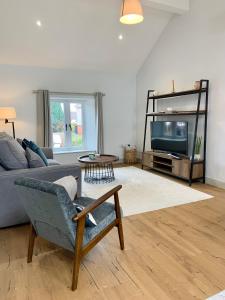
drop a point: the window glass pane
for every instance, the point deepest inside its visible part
(76, 124)
(58, 124)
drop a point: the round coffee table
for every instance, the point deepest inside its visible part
(100, 169)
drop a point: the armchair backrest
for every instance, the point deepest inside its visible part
(49, 209)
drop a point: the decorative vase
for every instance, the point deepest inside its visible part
(197, 85)
(197, 156)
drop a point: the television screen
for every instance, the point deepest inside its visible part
(170, 136)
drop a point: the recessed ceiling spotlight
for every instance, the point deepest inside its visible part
(38, 23)
(120, 37)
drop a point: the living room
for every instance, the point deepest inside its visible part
(111, 115)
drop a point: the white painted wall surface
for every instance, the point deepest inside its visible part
(119, 104)
(192, 47)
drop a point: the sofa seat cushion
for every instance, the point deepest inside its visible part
(12, 155)
(53, 162)
(103, 215)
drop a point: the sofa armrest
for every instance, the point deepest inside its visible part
(48, 152)
(11, 210)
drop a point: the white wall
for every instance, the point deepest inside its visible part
(119, 104)
(192, 47)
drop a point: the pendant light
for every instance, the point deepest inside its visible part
(132, 12)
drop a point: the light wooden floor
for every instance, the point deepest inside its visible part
(174, 253)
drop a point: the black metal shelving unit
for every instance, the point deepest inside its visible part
(204, 89)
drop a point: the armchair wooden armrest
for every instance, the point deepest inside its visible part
(96, 203)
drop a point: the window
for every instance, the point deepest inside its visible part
(73, 123)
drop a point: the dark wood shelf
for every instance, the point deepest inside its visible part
(178, 94)
(177, 113)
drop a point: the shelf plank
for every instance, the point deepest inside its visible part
(177, 113)
(178, 94)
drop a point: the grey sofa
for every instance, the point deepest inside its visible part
(11, 208)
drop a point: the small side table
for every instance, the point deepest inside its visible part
(99, 170)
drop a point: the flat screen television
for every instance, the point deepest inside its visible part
(170, 137)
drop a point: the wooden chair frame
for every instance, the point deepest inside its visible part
(81, 250)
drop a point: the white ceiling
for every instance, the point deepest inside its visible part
(76, 34)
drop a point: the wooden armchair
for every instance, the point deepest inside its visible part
(54, 217)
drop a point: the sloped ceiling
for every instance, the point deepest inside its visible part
(76, 34)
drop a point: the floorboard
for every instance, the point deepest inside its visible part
(170, 254)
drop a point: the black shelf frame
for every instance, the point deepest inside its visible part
(204, 89)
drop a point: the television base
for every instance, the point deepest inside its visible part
(177, 167)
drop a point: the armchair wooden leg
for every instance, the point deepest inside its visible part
(32, 237)
(77, 252)
(118, 216)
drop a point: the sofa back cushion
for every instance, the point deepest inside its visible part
(4, 135)
(12, 155)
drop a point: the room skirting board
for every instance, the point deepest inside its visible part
(215, 182)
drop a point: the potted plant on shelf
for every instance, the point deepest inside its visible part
(198, 146)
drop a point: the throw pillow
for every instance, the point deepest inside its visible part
(90, 220)
(12, 155)
(36, 149)
(34, 160)
(70, 185)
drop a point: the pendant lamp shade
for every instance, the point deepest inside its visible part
(132, 12)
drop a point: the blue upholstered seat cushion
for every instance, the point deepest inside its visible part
(103, 215)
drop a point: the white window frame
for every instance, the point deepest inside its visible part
(67, 99)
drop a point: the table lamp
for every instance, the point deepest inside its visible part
(8, 114)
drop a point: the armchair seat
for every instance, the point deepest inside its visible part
(104, 215)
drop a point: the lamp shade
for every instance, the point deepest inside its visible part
(132, 12)
(7, 113)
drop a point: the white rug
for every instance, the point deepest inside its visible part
(144, 191)
(220, 296)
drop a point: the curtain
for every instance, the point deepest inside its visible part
(44, 134)
(99, 122)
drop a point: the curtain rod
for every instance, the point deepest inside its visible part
(68, 93)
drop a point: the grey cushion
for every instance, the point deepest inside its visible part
(2, 169)
(52, 162)
(12, 155)
(34, 160)
(4, 135)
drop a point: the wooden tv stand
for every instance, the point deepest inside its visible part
(164, 163)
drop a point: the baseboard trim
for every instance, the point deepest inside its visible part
(215, 182)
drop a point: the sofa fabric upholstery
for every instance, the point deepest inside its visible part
(50, 210)
(53, 162)
(12, 155)
(34, 160)
(2, 169)
(11, 209)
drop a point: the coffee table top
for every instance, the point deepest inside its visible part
(103, 158)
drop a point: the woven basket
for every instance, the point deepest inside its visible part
(130, 156)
